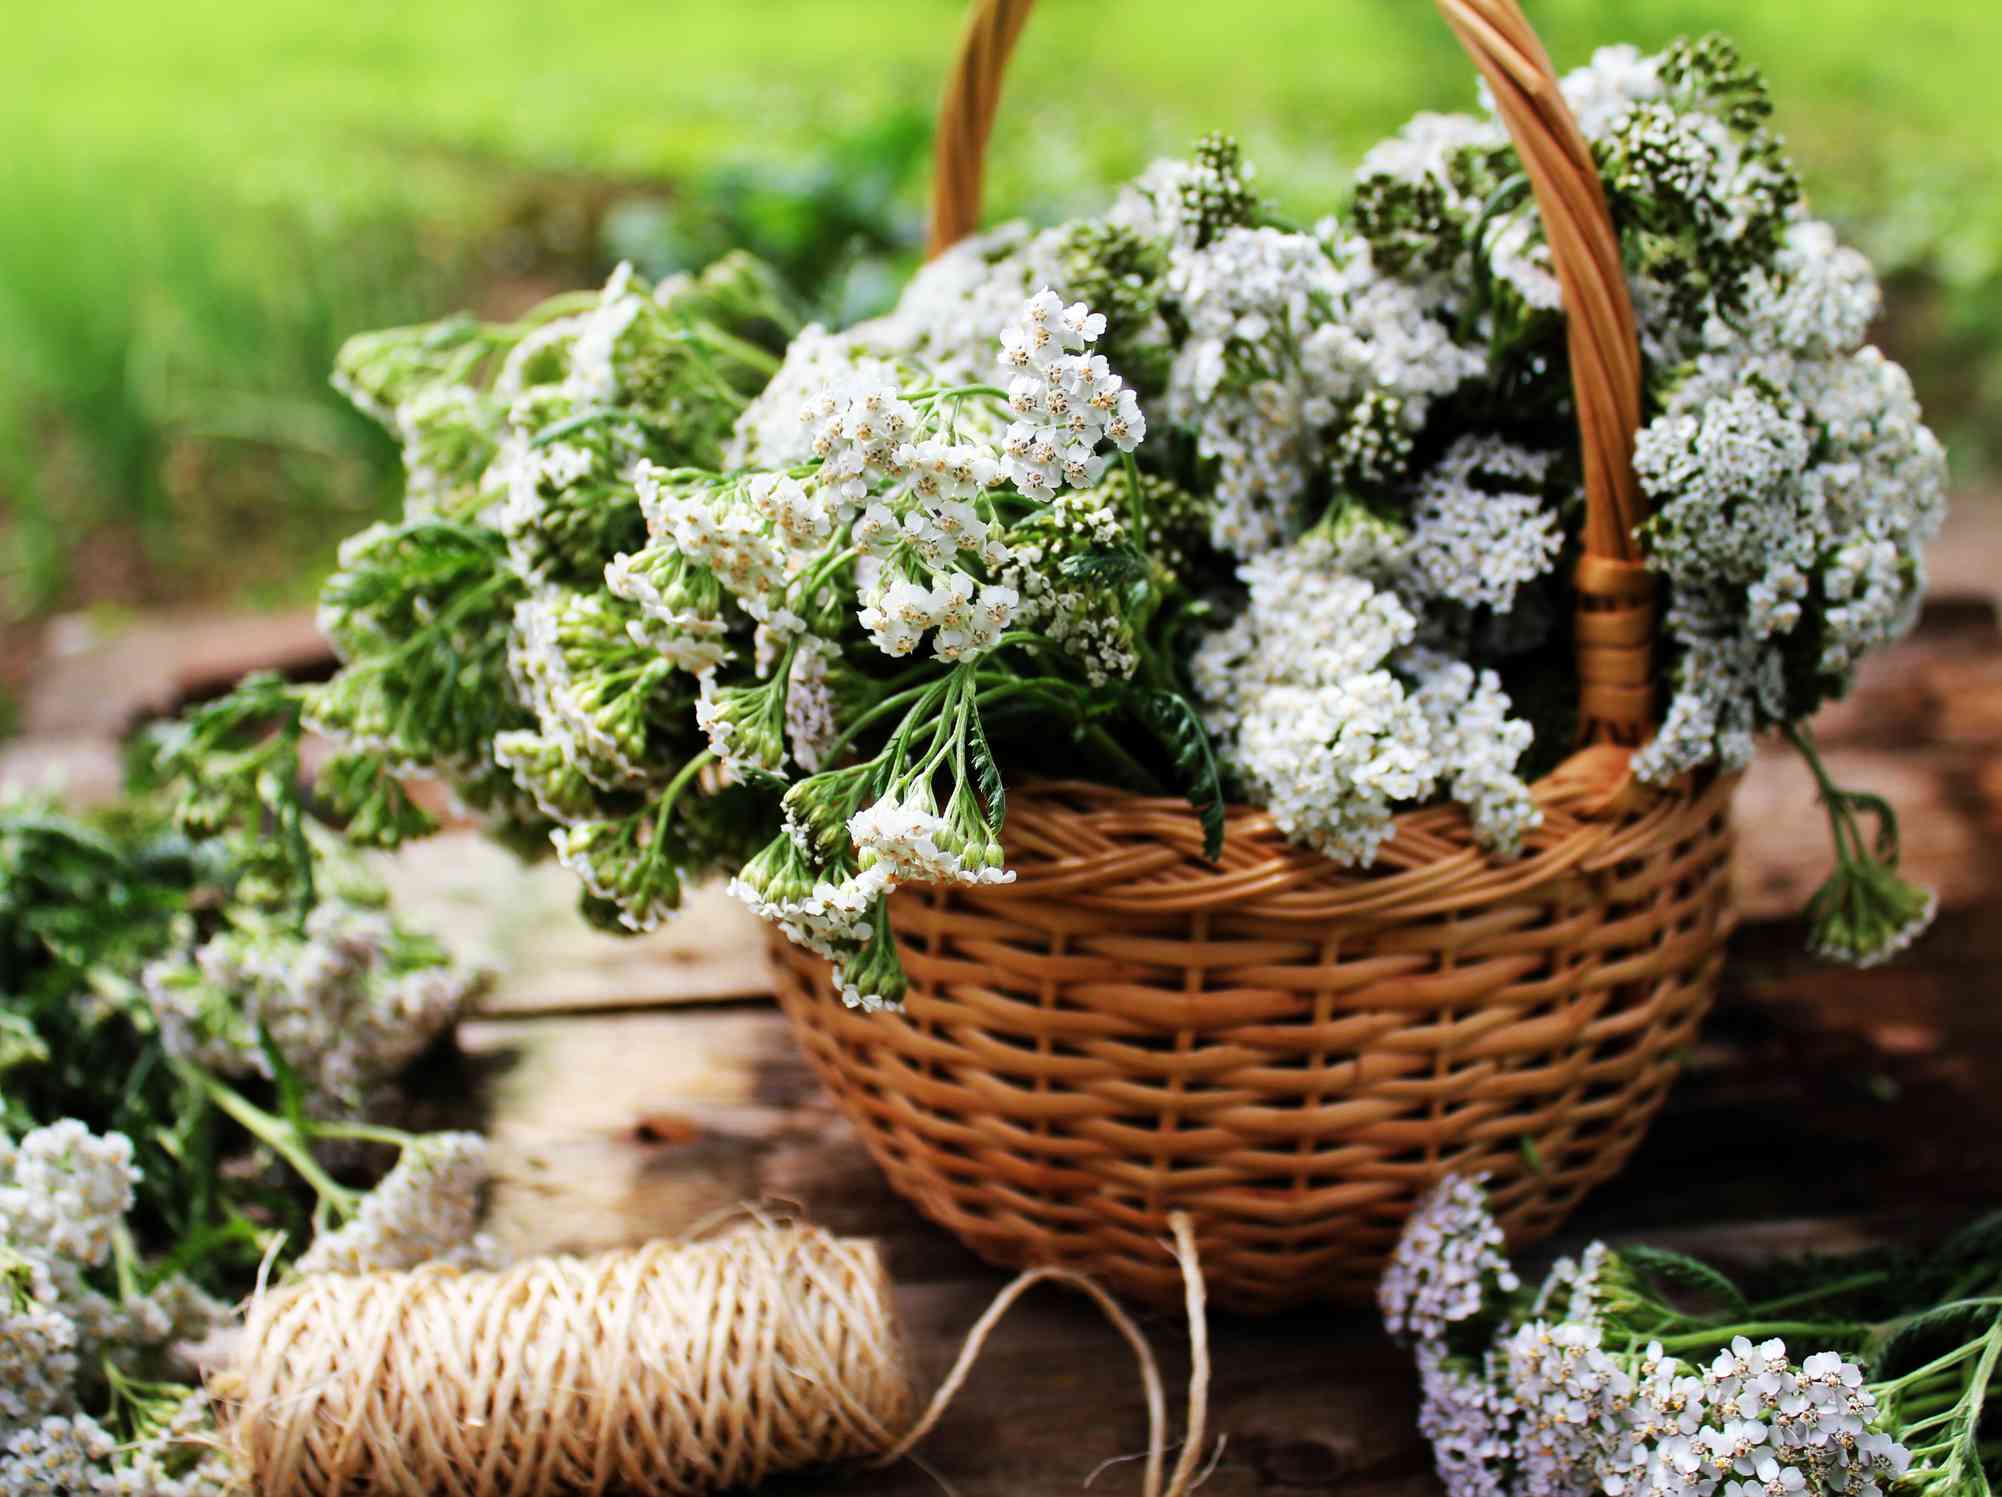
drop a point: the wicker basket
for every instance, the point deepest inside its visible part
(1289, 1050)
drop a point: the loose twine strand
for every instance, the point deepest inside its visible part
(676, 1368)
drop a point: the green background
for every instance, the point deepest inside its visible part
(200, 201)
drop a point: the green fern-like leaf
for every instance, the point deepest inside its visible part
(1927, 1329)
(1666, 1270)
(986, 773)
(1112, 568)
(360, 787)
(1175, 722)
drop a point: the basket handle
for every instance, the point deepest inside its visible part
(1616, 592)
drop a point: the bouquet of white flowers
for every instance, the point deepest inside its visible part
(1175, 495)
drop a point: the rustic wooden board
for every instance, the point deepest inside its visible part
(1793, 1130)
(615, 1128)
(521, 923)
(102, 678)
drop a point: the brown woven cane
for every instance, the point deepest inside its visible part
(1289, 1050)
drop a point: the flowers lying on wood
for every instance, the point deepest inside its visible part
(195, 1027)
(1177, 496)
(1636, 1372)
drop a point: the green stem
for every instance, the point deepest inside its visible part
(125, 1261)
(1920, 1453)
(1848, 841)
(1824, 1291)
(276, 1135)
(1139, 496)
(1911, 1411)
(808, 581)
(1939, 1364)
(1028, 639)
(365, 1133)
(292, 818)
(949, 727)
(953, 392)
(883, 708)
(429, 635)
(681, 782)
(566, 304)
(748, 354)
(1759, 1330)
(1977, 1384)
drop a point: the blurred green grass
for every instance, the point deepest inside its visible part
(202, 200)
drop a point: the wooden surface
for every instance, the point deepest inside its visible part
(616, 1127)
(1795, 1128)
(634, 1088)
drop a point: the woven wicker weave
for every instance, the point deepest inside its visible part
(1289, 1050)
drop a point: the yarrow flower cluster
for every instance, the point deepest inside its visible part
(425, 1210)
(1606, 1380)
(215, 973)
(67, 1330)
(1065, 399)
(1335, 718)
(1451, 1257)
(1176, 496)
(233, 1005)
(76, 1340)
(346, 1003)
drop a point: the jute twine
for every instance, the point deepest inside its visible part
(676, 1368)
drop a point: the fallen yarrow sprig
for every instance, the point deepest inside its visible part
(1636, 1372)
(203, 1030)
(1177, 496)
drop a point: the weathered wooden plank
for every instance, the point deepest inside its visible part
(82, 769)
(615, 1128)
(1787, 1134)
(521, 922)
(1946, 801)
(102, 680)
(612, 1129)
(1966, 557)
(1303, 1406)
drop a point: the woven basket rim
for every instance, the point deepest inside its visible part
(1113, 851)
(1603, 765)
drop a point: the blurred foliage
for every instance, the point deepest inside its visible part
(202, 202)
(839, 223)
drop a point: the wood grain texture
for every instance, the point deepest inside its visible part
(521, 923)
(103, 680)
(615, 1128)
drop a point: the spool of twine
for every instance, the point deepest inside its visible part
(676, 1368)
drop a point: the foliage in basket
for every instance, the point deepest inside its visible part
(205, 1022)
(1176, 495)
